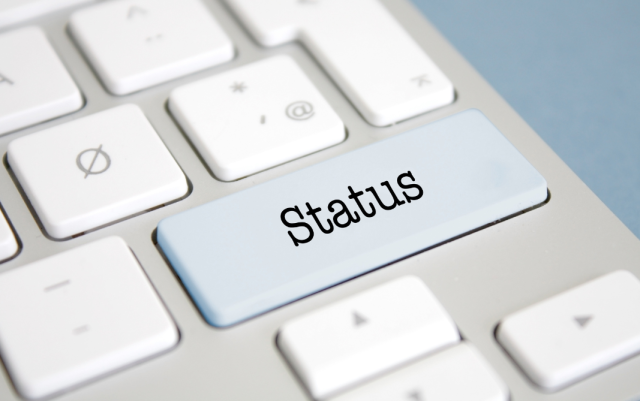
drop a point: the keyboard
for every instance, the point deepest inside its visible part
(290, 200)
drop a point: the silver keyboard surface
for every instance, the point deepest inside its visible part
(479, 279)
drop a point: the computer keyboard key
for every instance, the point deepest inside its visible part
(255, 117)
(95, 170)
(8, 243)
(376, 63)
(133, 45)
(15, 11)
(34, 85)
(576, 333)
(354, 339)
(459, 373)
(255, 250)
(78, 315)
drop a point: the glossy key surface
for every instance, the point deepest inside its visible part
(255, 117)
(80, 314)
(458, 373)
(16, 11)
(8, 243)
(34, 85)
(95, 170)
(574, 334)
(136, 44)
(376, 63)
(341, 344)
(250, 252)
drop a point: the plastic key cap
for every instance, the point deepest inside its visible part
(15, 11)
(380, 68)
(95, 170)
(341, 344)
(255, 117)
(34, 85)
(578, 332)
(133, 45)
(77, 315)
(8, 243)
(459, 373)
(255, 250)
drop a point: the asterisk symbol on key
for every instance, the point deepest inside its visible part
(238, 87)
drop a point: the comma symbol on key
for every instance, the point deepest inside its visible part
(415, 396)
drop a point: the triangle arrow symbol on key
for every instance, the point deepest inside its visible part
(582, 320)
(358, 320)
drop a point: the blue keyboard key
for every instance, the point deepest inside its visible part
(261, 248)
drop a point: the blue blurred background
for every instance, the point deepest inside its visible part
(571, 69)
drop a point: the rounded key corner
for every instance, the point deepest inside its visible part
(14, 255)
(58, 235)
(132, 330)
(116, 239)
(412, 278)
(215, 319)
(185, 187)
(160, 228)
(624, 273)
(32, 391)
(476, 111)
(171, 337)
(80, 98)
(16, 252)
(498, 331)
(116, 89)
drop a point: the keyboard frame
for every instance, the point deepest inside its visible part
(479, 278)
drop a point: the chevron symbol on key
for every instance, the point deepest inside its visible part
(582, 320)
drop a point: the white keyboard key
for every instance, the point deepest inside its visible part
(577, 333)
(459, 373)
(133, 45)
(14, 11)
(95, 170)
(34, 85)
(8, 243)
(344, 343)
(77, 315)
(382, 70)
(255, 117)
